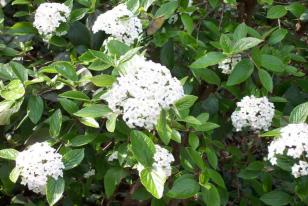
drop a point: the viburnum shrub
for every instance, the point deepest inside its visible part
(153, 102)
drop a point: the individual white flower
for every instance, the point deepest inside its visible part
(253, 113)
(143, 89)
(120, 23)
(36, 164)
(227, 65)
(162, 162)
(49, 16)
(300, 169)
(292, 142)
(89, 174)
(113, 156)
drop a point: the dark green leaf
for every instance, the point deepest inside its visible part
(276, 198)
(143, 147)
(208, 59)
(112, 178)
(241, 72)
(272, 63)
(266, 80)
(73, 158)
(81, 140)
(77, 95)
(54, 190)
(94, 111)
(55, 122)
(276, 12)
(184, 187)
(35, 108)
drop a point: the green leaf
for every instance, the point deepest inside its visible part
(216, 178)
(208, 76)
(296, 8)
(208, 59)
(68, 105)
(94, 111)
(14, 174)
(241, 72)
(153, 181)
(112, 178)
(35, 108)
(299, 114)
(102, 56)
(54, 190)
(240, 32)
(266, 80)
(55, 123)
(22, 28)
(13, 91)
(276, 198)
(193, 140)
(210, 195)
(20, 71)
(66, 69)
(73, 158)
(117, 48)
(187, 22)
(272, 63)
(78, 14)
(77, 95)
(272, 133)
(166, 10)
(212, 157)
(111, 122)
(9, 154)
(162, 128)
(226, 43)
(143, 147)
(184, 187)
(81, 140)
(103, 80)
(245, 43)
(89, 121)
(277, 36)
(185, 102)
(276, 12)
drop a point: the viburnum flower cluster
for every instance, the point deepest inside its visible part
(162, 162)
(227, 65)
(36, 164)
(143, 89)
(253, 113)
(120, 23)
(293, 142)
(49, 16)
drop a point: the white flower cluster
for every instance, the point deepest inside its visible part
(293, 142)
(89, 174)
(142, 90)
(36, 164)
(113, 156)
(253, 113)
(162, 162)
(227, 65)
(120, 23)
(49, 16)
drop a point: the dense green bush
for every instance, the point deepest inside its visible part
(88, 118)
